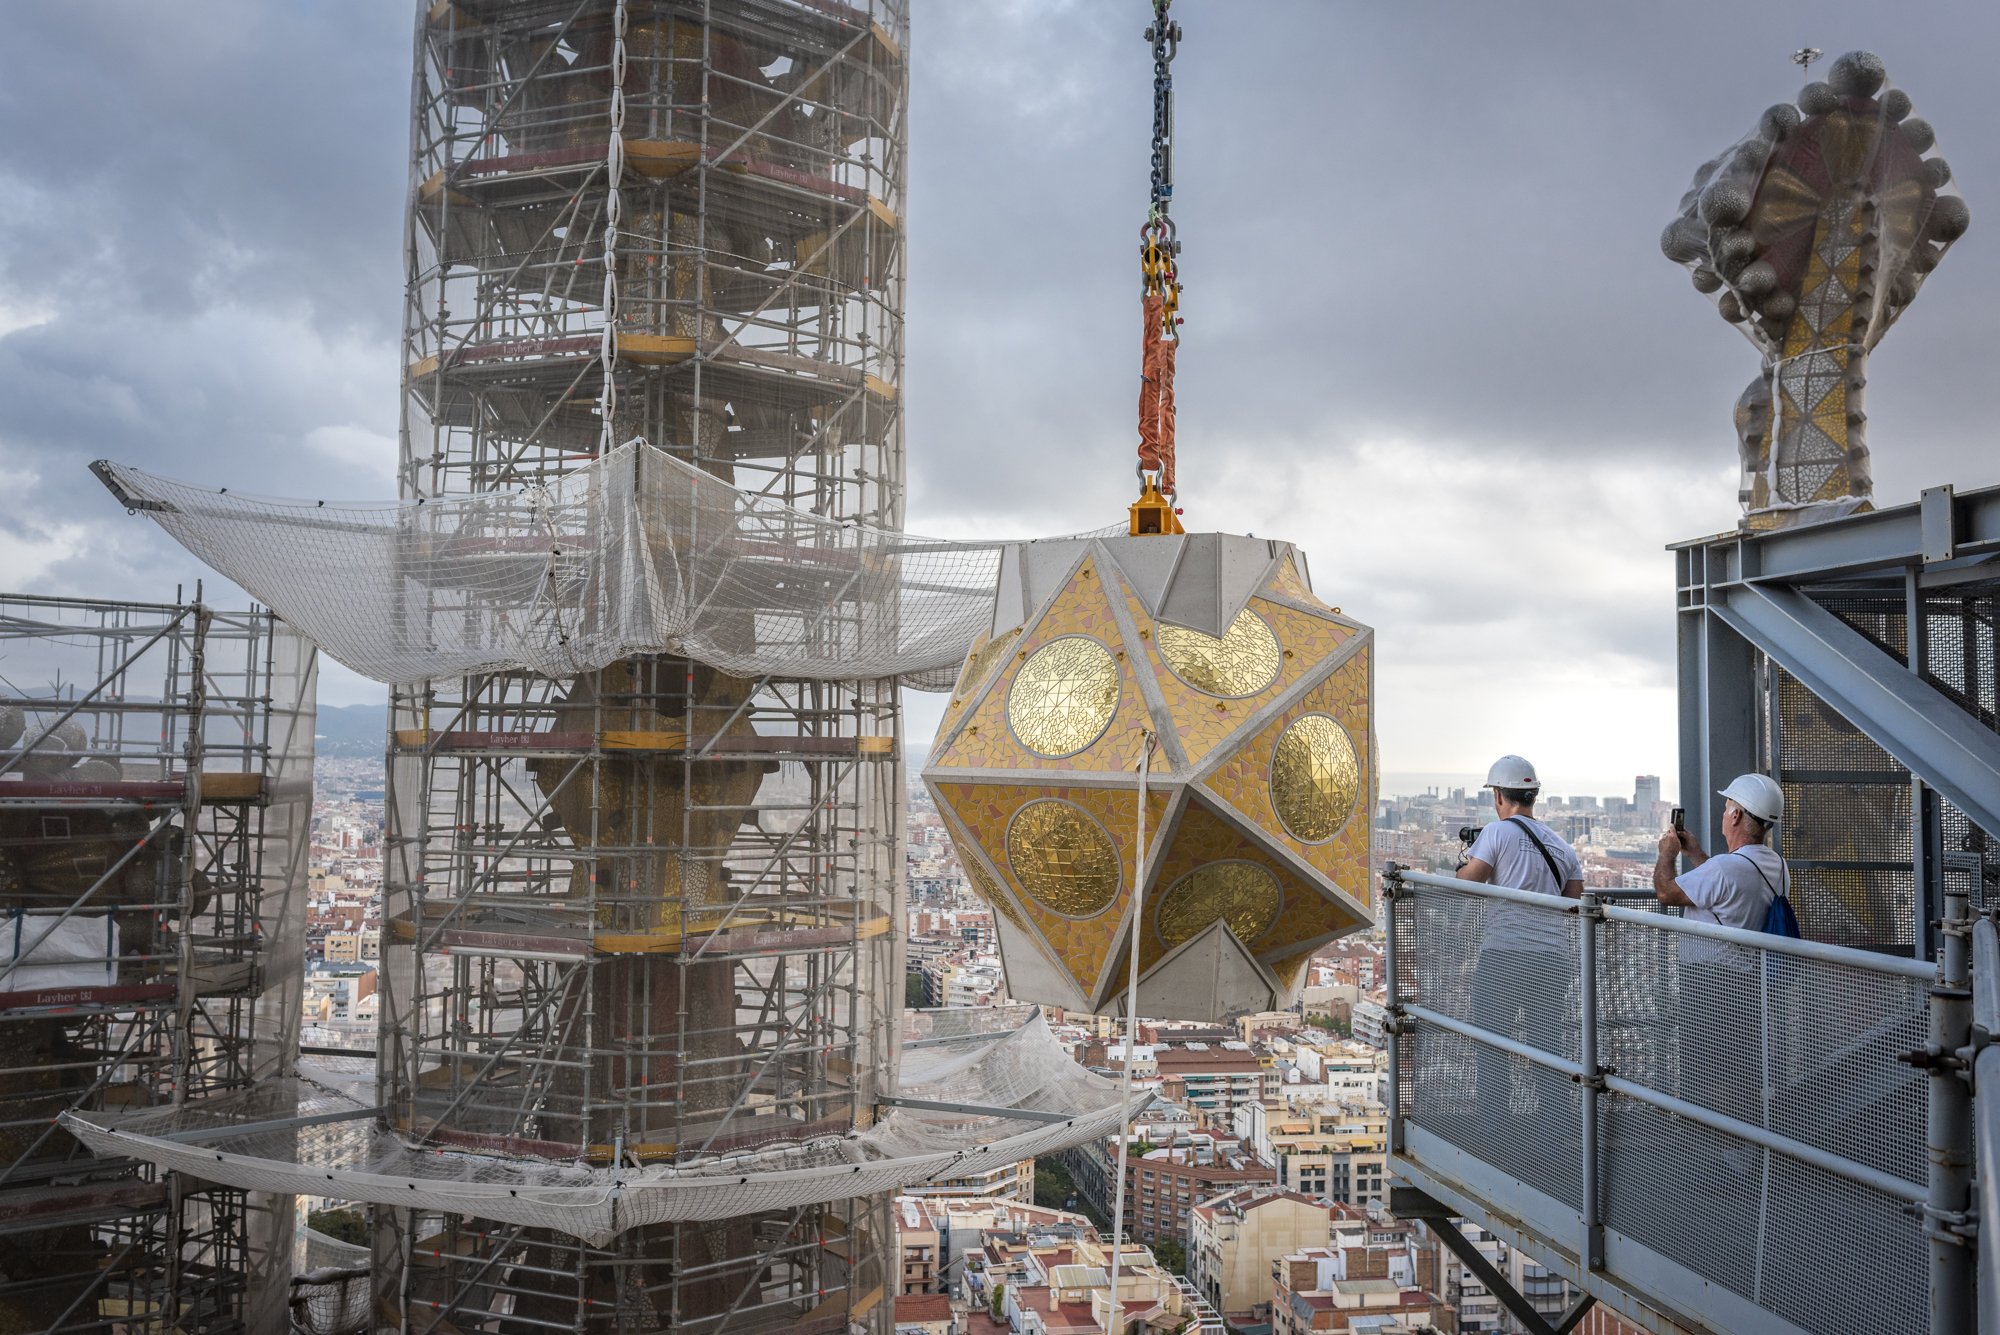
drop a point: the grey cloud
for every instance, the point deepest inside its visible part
(1422, 222)
(1434, 219)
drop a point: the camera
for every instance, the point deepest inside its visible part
(1467, 833)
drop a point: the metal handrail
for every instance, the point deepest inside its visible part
(1920, 1196)
(1986, 1113)
(1845, 956)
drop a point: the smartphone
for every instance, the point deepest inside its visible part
(1680, 819)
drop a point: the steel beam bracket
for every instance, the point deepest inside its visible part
(1955, 1226)
(1933, 1058)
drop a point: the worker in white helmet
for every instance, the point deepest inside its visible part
(1517, 850)
(1733, 889)
(1720, 1066)
(1527, 954)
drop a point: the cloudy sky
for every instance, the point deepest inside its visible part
(1430, 336)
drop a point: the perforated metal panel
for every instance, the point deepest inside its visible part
(1847, 835)
(1806, 1049)
(1510, 969)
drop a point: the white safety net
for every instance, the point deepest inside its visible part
(1015, 1094)
(635, 552)
(330, 1291)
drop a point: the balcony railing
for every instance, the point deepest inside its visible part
(1703, 1127)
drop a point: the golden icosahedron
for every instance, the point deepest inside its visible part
(1260, 794)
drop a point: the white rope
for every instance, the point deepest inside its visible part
(1114, 1319)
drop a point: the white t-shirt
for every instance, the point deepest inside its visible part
(1733, 890)
(1505, 847)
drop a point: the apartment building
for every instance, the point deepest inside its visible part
(1331, 1291)
(1233, 1239)
(1333, 1150)
(1162, 1186)
(1000, 1182)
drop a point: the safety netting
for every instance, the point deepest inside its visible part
(330, 1293)
(634, 552)
(1011, 1090)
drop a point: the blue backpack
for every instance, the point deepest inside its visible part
(1779, 920)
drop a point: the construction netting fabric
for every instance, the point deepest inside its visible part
(330, 1291)
(635, 552)
(1015, 1092)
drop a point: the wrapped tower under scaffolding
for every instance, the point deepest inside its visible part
(155, 793)
(642, 915)
(645, 607)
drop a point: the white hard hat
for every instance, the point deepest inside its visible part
(1758, 794)
(1511, 772)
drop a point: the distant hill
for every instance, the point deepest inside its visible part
(352, 730)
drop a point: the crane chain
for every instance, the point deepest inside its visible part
(1158, 241)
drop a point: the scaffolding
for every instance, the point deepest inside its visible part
(645, 915)
(1856, 662)
(154, 811)
(1720, 1130)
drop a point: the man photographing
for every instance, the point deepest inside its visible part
(1517, 850)
(1724, 1065)
(1733, 889)
(1522, 984)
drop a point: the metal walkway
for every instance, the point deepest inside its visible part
(1705, 1129)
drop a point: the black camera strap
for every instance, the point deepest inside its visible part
(1541, 848)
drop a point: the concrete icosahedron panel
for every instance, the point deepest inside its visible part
(1260, 791)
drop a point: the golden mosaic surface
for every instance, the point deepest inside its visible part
(979, 664)
(1204, 722)
(982, 812)
(1201, 838)
(1063, 697)
(1242, 661)
(1063, 858)
(984, 886)
(985, 742)
(1243, 777)
(1315, 778)
(1287, 582)
(1242, 894)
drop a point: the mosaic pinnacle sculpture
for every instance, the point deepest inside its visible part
(1812, 235)
(1257, 822)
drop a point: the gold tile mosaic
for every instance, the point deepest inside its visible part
(1242, 894)
(1315, 778)
(1081, 946)
(986, 742)
(1243, 778)
(1063, 697)
(1063, 859)
(1062, 851)
(1241, 662)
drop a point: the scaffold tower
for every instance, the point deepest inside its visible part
(155, 792)
(644, 914)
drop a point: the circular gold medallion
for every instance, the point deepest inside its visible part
(1063, 697)
(980, 662)
(1315, 778)
(1242, 894)
(1063, 858)
(1243, 661)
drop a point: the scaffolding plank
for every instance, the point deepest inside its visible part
(83, 997)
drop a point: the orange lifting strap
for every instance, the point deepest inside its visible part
(1156, 394)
